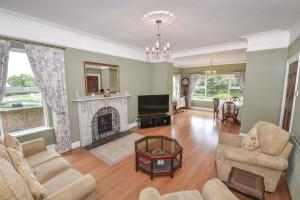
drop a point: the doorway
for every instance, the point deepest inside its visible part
(290, 95)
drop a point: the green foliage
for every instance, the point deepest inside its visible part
(222, 96)
(22, 80)
(216, 87)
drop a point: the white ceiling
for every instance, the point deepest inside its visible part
(198, 23)
(225, 57)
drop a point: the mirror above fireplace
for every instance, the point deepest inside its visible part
(100, 76)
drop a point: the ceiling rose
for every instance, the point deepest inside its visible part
(165, 18)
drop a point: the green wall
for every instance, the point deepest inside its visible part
(265, 74)
(134, 77)
(163, 80)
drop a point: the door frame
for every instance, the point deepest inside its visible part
(293, 59)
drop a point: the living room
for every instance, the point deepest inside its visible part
(131, 100)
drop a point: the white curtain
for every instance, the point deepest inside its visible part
(176, 86)
(49, 69)
(192, 84)
(240, 77)
(4, 54)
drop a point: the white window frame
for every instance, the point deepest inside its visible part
(230, 87)
(19, 90)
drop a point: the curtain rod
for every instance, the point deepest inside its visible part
(31, 42)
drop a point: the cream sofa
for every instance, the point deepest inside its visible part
(60, 180)
(269, 160)
(213, 189)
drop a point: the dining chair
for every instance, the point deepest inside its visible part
(235, 99)
(216, 102)
(229, 110)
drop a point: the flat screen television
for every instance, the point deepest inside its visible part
(151, 104)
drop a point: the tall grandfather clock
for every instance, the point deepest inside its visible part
(185, 86)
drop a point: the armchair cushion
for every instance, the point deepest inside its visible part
(255, 158)
(250, 141)
(230, 139)
(272, 139)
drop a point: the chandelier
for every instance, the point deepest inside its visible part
(159, 51)
(210, 71)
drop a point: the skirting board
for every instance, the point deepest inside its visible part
(202, 108)
(77, 143)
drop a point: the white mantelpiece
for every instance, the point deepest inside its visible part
(87, 107)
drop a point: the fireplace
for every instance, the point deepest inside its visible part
(104, 123)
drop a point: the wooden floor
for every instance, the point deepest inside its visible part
(196, 131)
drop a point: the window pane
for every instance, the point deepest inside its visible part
(22, 106)
(237, 93)
(234, 82)
(217, 85)
(199, 93)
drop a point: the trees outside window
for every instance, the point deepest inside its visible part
(220, 86)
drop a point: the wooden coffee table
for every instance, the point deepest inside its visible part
(247, 183)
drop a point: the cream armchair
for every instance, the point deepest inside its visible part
(269, 160)
(213, 189)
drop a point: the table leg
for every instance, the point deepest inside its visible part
(136, 162)
(151, 170)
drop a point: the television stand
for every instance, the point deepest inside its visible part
(153, 120)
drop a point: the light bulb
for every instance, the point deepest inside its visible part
(168, 45)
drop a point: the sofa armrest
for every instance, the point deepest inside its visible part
(33, 146)
(255, 158)
(149, 193)
(77, 190)
(215, 189)
(230, 139)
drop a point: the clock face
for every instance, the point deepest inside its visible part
(185, 81)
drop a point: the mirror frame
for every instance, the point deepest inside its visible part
(100, 64)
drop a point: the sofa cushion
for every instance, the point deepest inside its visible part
(12, 142)
(61, 180)
(182, 195)
(42, 157)
(149, 193)
(250, 142)
(12, 186)
(272, 139)
(4, 154)
(37, 190)
(16, 157)
(51, 168)
(214, 189)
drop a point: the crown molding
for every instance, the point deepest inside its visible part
(295, 30)
(275, 39)
(215, 64)
(211, 49)
(30, 28)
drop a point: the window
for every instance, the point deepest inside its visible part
(22, 107)
(176, 86)
(220, 86)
